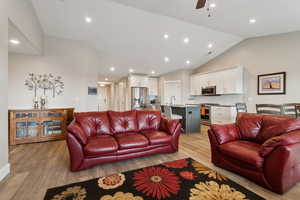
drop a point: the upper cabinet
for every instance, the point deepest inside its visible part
(144, 81)
(138, 81)
(194, 89)
(232, 81)
(228, 81)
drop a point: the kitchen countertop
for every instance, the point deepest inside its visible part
(197, 105)
(184, 106)
(224, 105)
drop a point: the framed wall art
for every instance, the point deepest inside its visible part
(271, 84)
(92, 91)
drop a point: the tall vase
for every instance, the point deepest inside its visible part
(36, 103)
(43, 102)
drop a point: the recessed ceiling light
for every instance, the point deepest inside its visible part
(106, 79)
(166, 36)
(112, 69)
(252, 21)
(88, 19)
(188, 62)
(167, 59)
(212, 5)
(131, 70)
(102, 85)
(210, 45)
(14, 41)
(186, 40)
(152, 72)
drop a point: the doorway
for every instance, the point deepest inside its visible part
(172, 90)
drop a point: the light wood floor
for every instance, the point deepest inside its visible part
(36, 167)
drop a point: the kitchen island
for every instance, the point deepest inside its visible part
(190, 117)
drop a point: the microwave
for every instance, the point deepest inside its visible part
(209, 91)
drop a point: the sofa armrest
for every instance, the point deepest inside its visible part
(75, 151)
(75, 129)
(271, 144)
(169, 125)
(225, 133)
(281, 167)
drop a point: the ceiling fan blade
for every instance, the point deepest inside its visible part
(200, 4)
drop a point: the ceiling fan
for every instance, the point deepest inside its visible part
(201, 4)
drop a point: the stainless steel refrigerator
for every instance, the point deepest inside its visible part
(139, 97)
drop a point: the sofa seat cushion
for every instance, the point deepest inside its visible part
(157, 137)
(131, 140)
(100, 145)
(245, 151)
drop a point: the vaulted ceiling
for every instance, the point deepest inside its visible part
(230, 16)
(130, 33)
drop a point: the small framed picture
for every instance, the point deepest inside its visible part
(92, 91)
(270, 84)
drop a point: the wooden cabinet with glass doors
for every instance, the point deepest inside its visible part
(28, 126)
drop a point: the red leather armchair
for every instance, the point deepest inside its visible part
(262, 148)
(103, 137)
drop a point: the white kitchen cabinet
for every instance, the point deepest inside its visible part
(232, 81)
(193, 85)
(138, 81)
(229, 81)
(153, 86)
(223, 114)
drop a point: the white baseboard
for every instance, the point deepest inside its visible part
(4, 171)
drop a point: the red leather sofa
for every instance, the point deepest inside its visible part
(265, 149)
(103, 137)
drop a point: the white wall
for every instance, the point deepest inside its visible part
(261, 55)
(22, 14)
(74, 61)
(4, 166)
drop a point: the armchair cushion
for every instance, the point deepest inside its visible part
(93, 123)
(249, 125)
(277, 125)
(244, 151)
(225, 133)
(283, 140)
(169, 125)
(75, 129)
(131, 140)
(148, 120)
(158, 137)
(123, 122)
(99, 145)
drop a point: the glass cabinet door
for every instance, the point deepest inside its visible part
(27, 129)
(52, 127)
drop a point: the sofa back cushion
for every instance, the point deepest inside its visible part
(148, 120)
(277, 125)
(226, 133)
(123, 122)
(249, 125)
(93, 123)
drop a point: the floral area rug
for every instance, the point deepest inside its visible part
(184, 179)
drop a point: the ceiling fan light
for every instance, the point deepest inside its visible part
(212, 5)
(252, 21)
